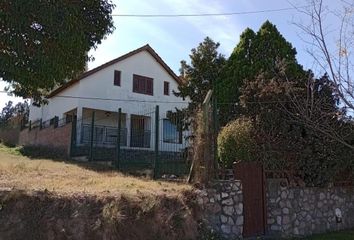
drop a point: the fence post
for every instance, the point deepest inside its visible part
(117, 162)
(91, 135)
(40, 124)
(73, 136)
(30, 125)
(156, 161)
(56, 121)
(214, 135)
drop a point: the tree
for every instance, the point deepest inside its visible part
(256, 53)
(280, 107)
(43, 43)
(200, 75)
(333, 57)
(10, 110)
(7, 112)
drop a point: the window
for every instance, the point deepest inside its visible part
(116, 78)
(170, 132)
(166, 88)
(143, 85)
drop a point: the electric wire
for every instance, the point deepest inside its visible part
(208, 14)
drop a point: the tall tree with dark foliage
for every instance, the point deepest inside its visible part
(43, 42)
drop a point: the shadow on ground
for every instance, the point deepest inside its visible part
(39, 153)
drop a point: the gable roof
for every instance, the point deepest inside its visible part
(125, 56)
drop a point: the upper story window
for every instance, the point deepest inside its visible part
(116, 81)
(142, 84)
(166, 88)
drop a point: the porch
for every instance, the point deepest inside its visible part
(135, 129)
(147, 141)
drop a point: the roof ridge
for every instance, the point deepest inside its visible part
(146, 47)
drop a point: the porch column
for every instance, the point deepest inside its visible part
(78, 124)
(128, 124)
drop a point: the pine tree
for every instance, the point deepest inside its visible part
(266, 52)
(202, 72)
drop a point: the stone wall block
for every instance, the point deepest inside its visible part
(223, 208)
(301, 211)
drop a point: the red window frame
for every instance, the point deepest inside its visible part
(166, 88)
(143, 85)
(117, 77)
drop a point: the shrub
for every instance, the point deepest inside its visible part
(236, 142)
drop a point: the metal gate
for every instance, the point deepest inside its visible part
(252, 178)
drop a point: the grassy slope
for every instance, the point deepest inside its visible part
(86, 201)
(20, 172)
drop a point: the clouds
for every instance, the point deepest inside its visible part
(172, 38)
(223, 29)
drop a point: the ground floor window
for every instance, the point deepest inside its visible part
(171, 133)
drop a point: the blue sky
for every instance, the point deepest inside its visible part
(173, 38)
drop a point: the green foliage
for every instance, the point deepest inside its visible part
(256, 53)
(236, 142)
(10, 149)
(205, 233)
(10, 110)
(201, 73)
(43, 43)
(295, 132)
(296, 118)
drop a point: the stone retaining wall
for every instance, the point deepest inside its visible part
(291, 212)
(306, 211)
(222, 207)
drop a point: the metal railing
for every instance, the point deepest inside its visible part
(103, 135)
(147, 142)
(140, 139)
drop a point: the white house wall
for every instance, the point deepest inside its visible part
(100, 86)
(56, 106)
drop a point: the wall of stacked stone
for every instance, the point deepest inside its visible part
(222, 207)
(304, 211)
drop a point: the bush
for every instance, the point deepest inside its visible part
(236, 142)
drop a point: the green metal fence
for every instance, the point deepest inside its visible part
(151, 142)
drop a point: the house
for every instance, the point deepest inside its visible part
(135, 83)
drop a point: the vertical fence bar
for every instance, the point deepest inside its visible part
(117, 162)
(91, 136)
(40, 124)
(56, 121)
(30, 125)
(156, 161)
(73, 136)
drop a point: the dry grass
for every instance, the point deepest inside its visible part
(17, 171)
